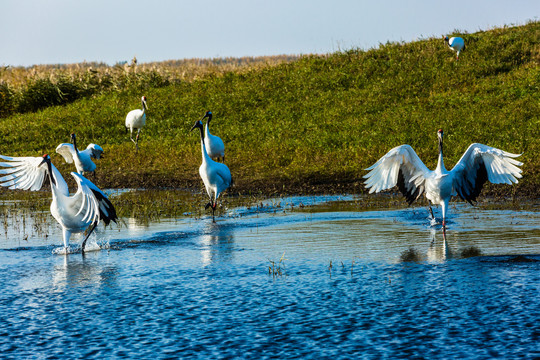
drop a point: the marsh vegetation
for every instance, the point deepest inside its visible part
(304, 124)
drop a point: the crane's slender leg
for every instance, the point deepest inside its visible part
(137, 141)
(66, 234)
(444, 211)
(212, 205)
(83, 245)
(431, 212)
(131, 135)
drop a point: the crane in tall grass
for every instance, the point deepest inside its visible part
(456, 44)
(215, 176)
(214, 144)
(401, 166)
(82, 159)
(76, 213)
(136, 119)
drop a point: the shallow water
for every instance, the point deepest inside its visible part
(190, 288)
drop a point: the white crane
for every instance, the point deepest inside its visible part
(136, 119)
(88, 206)
(402, 167)
(456, 44)
(82, 159)
(215, 176)
(214, 144)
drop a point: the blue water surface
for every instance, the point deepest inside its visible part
(202, 290)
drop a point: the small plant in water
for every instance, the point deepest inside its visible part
(410, 255)
(277, 269)
(470, 251)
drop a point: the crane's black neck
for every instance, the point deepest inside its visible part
(440, 162)
(49, 171)
(202, 133)
(74, 139)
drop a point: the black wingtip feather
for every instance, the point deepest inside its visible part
(102, 199)
(409, 194)
(470, 191)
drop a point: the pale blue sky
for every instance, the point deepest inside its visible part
(68, 31)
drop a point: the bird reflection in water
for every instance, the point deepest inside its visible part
(217, 244)
(74, 271)
(437, 251)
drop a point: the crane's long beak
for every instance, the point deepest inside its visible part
(194, 126)
(145, 105)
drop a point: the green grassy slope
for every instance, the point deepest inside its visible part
(317, 122)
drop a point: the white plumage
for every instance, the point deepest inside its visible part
(456, 44)
(214, 144)
(88, 206)
(216, 176)
(136, 119)
(82, 159)
(401, 166)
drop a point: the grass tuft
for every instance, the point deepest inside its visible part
(410, 255)
(470, 251)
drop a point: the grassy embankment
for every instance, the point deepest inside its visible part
(310, 124)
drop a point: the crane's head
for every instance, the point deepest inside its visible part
(446, 38)
(72, 136)
(46, 160)
(440, 136)
(143, 100)
(208, 115)
(198, 124)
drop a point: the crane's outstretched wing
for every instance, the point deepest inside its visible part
(94, 203)
(66, 150)
(25, 173)
(481, 163)
(28, 173)
(401, 166)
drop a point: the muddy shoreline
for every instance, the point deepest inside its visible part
(307, 186)
(513, 197)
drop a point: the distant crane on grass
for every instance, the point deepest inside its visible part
(214, 144)
(456, 44)
(136, 119)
